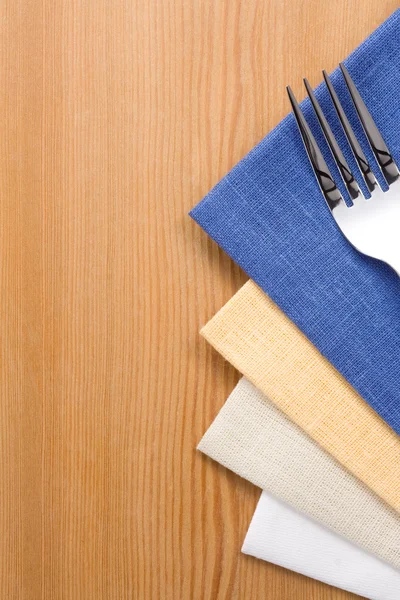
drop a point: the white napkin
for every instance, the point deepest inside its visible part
(281, 535)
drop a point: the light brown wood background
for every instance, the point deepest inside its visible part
(116, 117)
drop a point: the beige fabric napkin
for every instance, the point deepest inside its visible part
(253, 334)
(253, 438)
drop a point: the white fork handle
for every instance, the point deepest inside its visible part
(373, 226)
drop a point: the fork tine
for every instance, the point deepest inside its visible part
(347, 175)
(359, 155)
(327, 184)
(377, 143)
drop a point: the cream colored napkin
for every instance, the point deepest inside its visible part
(253, 334)
(253, 438)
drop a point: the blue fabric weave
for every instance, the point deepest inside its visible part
(269, 215)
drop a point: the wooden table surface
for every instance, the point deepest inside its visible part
(116, 118)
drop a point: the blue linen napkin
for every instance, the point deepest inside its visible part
(269, 215)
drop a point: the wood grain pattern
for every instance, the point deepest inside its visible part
(116, 118)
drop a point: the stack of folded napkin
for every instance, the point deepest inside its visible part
(315, 420)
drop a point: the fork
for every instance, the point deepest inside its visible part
(371, 225)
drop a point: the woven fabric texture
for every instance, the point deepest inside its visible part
(254, 335)
(269, 215)
(285, 537)
(253, 438)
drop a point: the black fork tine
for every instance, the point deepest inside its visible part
(359, 155)
(384, 158)
(347, 175)
(327, 184)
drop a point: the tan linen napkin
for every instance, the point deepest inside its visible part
(253, 334)
(255, 439)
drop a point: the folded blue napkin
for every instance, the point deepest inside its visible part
(269, 215)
